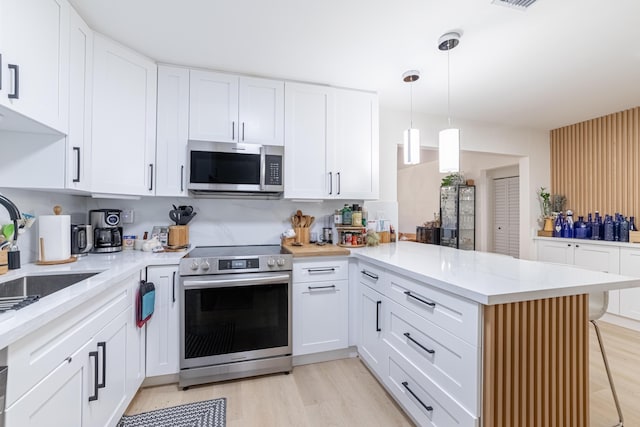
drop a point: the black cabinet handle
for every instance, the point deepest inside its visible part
(371, 275)
(409, 294)
(173, 287)
(243, 131)
(181, 178)
(233, 131)
(16, 80)
(321, 270)
(406, 385)
(338, 176)
(94, 354)
(151, 177)
(428, 350)
(330, 183)
(77, 150)
(0, 71)
(321, 287)
(103, 345)
(378, 304)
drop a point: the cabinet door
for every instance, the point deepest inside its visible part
(630, 298)
(307, 138)
(111, 346)
(80, 81)
(356, 148)
(35, 41)
(320, 316)
(213, 106)
(261, 111)
(136, 343)
(59, 399)
(371, 347)
(173, 131)
(163, 329)
(555, 251)
(600, 258)
(124, 120)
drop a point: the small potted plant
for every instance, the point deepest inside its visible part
(546, 220)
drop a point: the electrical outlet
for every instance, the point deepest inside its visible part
(127, 216)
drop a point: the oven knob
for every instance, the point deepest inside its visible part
(205, 265)
(194, 265)
(281, 262)
(271, 262)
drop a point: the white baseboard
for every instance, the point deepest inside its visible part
(325, 356)
(160, 380)
(625, 322)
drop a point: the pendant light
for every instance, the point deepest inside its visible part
(449, 140)
(411, 135)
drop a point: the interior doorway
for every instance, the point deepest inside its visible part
(506, 216)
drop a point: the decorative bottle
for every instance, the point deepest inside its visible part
(624, 230)
(632, 223)
(557, 227)
(608, 229)
(588, 226)
(567, 227)
(580, 229)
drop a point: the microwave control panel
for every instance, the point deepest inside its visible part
(273, 173)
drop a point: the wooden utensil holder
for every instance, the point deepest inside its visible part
(178, 235)
(302, 234)
(4, 262)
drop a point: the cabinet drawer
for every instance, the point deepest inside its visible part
(371, 275)
(36, 355)
(422, 399)
(320, 270)
(457, 315)
(449, 361)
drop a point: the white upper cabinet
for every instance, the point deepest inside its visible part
(124, 120)
(172, 131)
(34, 47)
(356, 163)
(261, 114)
(228, 108)
(80, 78)
(308, 139)
(331, 142)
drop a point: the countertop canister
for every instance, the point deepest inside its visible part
(54, 237)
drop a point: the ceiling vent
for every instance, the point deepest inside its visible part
(515, 4)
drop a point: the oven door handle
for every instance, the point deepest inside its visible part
(263, 163)
(223, 283)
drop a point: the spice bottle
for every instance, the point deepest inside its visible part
(346, 215)
(356, 217)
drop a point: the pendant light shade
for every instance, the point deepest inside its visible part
(449, 150)
(411, 137)
(449, 139)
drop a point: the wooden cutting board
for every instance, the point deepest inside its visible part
(309, 249)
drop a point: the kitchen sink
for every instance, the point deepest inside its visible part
(41, 285)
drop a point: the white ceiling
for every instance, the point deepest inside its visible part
(557, 63)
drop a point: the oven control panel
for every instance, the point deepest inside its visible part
(238, 264)
(224, 265)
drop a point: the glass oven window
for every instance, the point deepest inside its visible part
(224, 168)
(235, 319)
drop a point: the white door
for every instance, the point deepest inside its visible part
(123, 120)
(506, 216)
(35, 60)
(163, 329)
(371, 347)
(308, 135)
(261, 113)
(630, 298)
(356, 148)
(213, 106)
(172, 131)
(80, 80)
(314, 331)
(59, 399)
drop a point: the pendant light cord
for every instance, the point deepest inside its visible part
(448, 88)
(411, 107)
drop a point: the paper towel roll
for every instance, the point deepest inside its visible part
(54, 242)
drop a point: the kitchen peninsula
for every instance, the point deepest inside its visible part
(459, 336)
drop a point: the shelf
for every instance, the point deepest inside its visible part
(351, 227)
(351, 246)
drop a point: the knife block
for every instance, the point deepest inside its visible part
(178, 235)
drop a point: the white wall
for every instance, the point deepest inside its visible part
(529, 145)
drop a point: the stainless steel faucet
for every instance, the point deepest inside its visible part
(14, 214)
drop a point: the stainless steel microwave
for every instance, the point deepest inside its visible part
(235, 168)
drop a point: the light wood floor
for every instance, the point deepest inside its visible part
(344, 393)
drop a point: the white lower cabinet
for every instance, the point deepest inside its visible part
(163, 329)
(77, 370)
(320, 305)
(630, 298)
(371, 347)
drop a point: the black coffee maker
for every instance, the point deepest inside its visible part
(107, 233)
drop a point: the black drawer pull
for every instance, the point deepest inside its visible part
(173, 287)
(103, 345)
(378, 304)
(406, 385)
(16, 81)
(94, 354)
(321, 270)
(430, 304)
(77, 150)
(428, 350)
(371, 275)
(321, 287)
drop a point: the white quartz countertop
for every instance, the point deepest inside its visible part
(489, 278)
(15, 324)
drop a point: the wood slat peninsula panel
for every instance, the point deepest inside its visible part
(596, 163)
(536, 363)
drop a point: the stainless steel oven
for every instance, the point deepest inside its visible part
(235, 313)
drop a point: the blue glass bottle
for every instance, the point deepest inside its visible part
(557, 226)
(608, 229)
(632, 223)
(567, 227)
(624, 230)
(595, 227)
(616, 227)
(588, 226)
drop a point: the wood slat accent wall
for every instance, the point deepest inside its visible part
(596, 164)
(536, 363)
